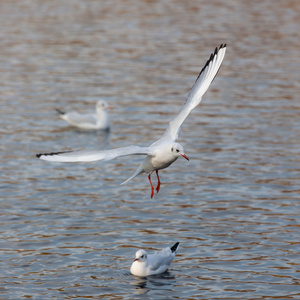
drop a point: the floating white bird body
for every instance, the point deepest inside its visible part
(166, 150)
(91, 121)
(153, 264)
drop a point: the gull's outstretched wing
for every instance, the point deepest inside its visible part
(206, 76)
(78, 156)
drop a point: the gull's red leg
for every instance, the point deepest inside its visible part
(158, 182)
(152, 190)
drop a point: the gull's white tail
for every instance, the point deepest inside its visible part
(138, 171)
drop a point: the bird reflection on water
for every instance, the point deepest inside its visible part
(163, 281)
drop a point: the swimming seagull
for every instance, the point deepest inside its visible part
(164, 151)
(153, 264)
(98, 120)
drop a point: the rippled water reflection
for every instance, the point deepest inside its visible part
(70, 230)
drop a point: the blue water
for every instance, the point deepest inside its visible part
(70, 230)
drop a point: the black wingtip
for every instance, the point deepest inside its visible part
(222, 46)
(212, 56)
(60, 111)
(174, 247)
(51, 153)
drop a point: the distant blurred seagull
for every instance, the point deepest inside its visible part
(98, 120)
(163, 152)
(153, 264)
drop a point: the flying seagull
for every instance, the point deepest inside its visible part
(164, 151)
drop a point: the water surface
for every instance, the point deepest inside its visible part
(70, 230)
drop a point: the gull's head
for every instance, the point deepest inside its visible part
(140, 255)
(178, 150)
(102, 105)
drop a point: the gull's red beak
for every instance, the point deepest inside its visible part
(183, 155)
(135, 259)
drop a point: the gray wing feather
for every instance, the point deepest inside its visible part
(77, 119)
(84, 156)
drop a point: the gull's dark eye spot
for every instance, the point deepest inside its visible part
(177, 150)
